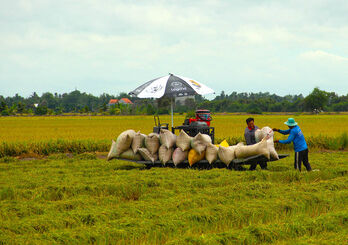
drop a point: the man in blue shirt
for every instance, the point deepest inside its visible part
(300, 145)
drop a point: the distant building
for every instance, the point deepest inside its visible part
(182, 99)
(124, 101)
(113, 102)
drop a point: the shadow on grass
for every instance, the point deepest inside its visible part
(129, 167)
(278, 168)
(124, 165)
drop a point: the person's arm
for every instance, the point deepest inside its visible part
(289, 139)
(285, 132)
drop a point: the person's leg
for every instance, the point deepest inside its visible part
(253, 166)
(296, 163)
(305, 160)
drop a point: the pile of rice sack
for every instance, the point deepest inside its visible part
(166, 147)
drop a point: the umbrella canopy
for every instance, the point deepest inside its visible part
(171, 86)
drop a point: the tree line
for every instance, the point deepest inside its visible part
(255, 103)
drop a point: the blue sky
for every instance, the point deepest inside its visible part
(282, 47)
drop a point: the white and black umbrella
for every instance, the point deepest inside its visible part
(171, 86)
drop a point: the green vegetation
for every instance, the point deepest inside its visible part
(253, 103)
(44, 148)
(61, 200)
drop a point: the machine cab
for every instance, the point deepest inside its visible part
(201, 116)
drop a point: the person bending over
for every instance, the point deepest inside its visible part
(300, 145)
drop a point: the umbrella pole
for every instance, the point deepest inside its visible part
(171, 108)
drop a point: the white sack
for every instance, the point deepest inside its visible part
(138, 141)
(129, 154)
(211, 153)
(112, 152)
(183, 141)
(179, 156)
(152, 143)
(261, 148)
(124, 141)
(200, 142)
(145, 153)
(167, 138)
(165, 154)
(262, 133)
(226, 154)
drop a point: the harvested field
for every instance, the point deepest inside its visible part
(64, 200)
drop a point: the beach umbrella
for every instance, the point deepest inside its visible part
(170, 86)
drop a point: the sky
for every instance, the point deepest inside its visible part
(281, 47)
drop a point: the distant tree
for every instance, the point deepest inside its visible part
(77, 101)
(316, 100)
(342, 106)
(41, 109)
(104, 108)
(58, 110)
(13, 109)
(254, 109)
(3, 106)
(123, 95)
(86, 109)
(30, 111)
(199, 98)
(34, 99)
(5, 112)
(164, 105)
(50, 100)
(50, 112)
(20, 108)
(190, 103)
(71, 102)
(150, 110)
(221, 96)
(114, 110)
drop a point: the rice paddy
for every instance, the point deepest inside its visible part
(78, 134)
(81, 199)
(61, 200)
(108, 127)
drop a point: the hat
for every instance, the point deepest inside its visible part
(291, 122)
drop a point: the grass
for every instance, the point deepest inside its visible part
(78, 134)
(61, 200)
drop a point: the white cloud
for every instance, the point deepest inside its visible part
(320, 55)
(247, 42)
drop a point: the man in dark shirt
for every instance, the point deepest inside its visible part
(249, 135)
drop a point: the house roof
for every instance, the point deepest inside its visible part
(123, 100)
(126, 100)
(113, 101)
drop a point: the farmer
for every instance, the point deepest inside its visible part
(300, 145)
(249, 135)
